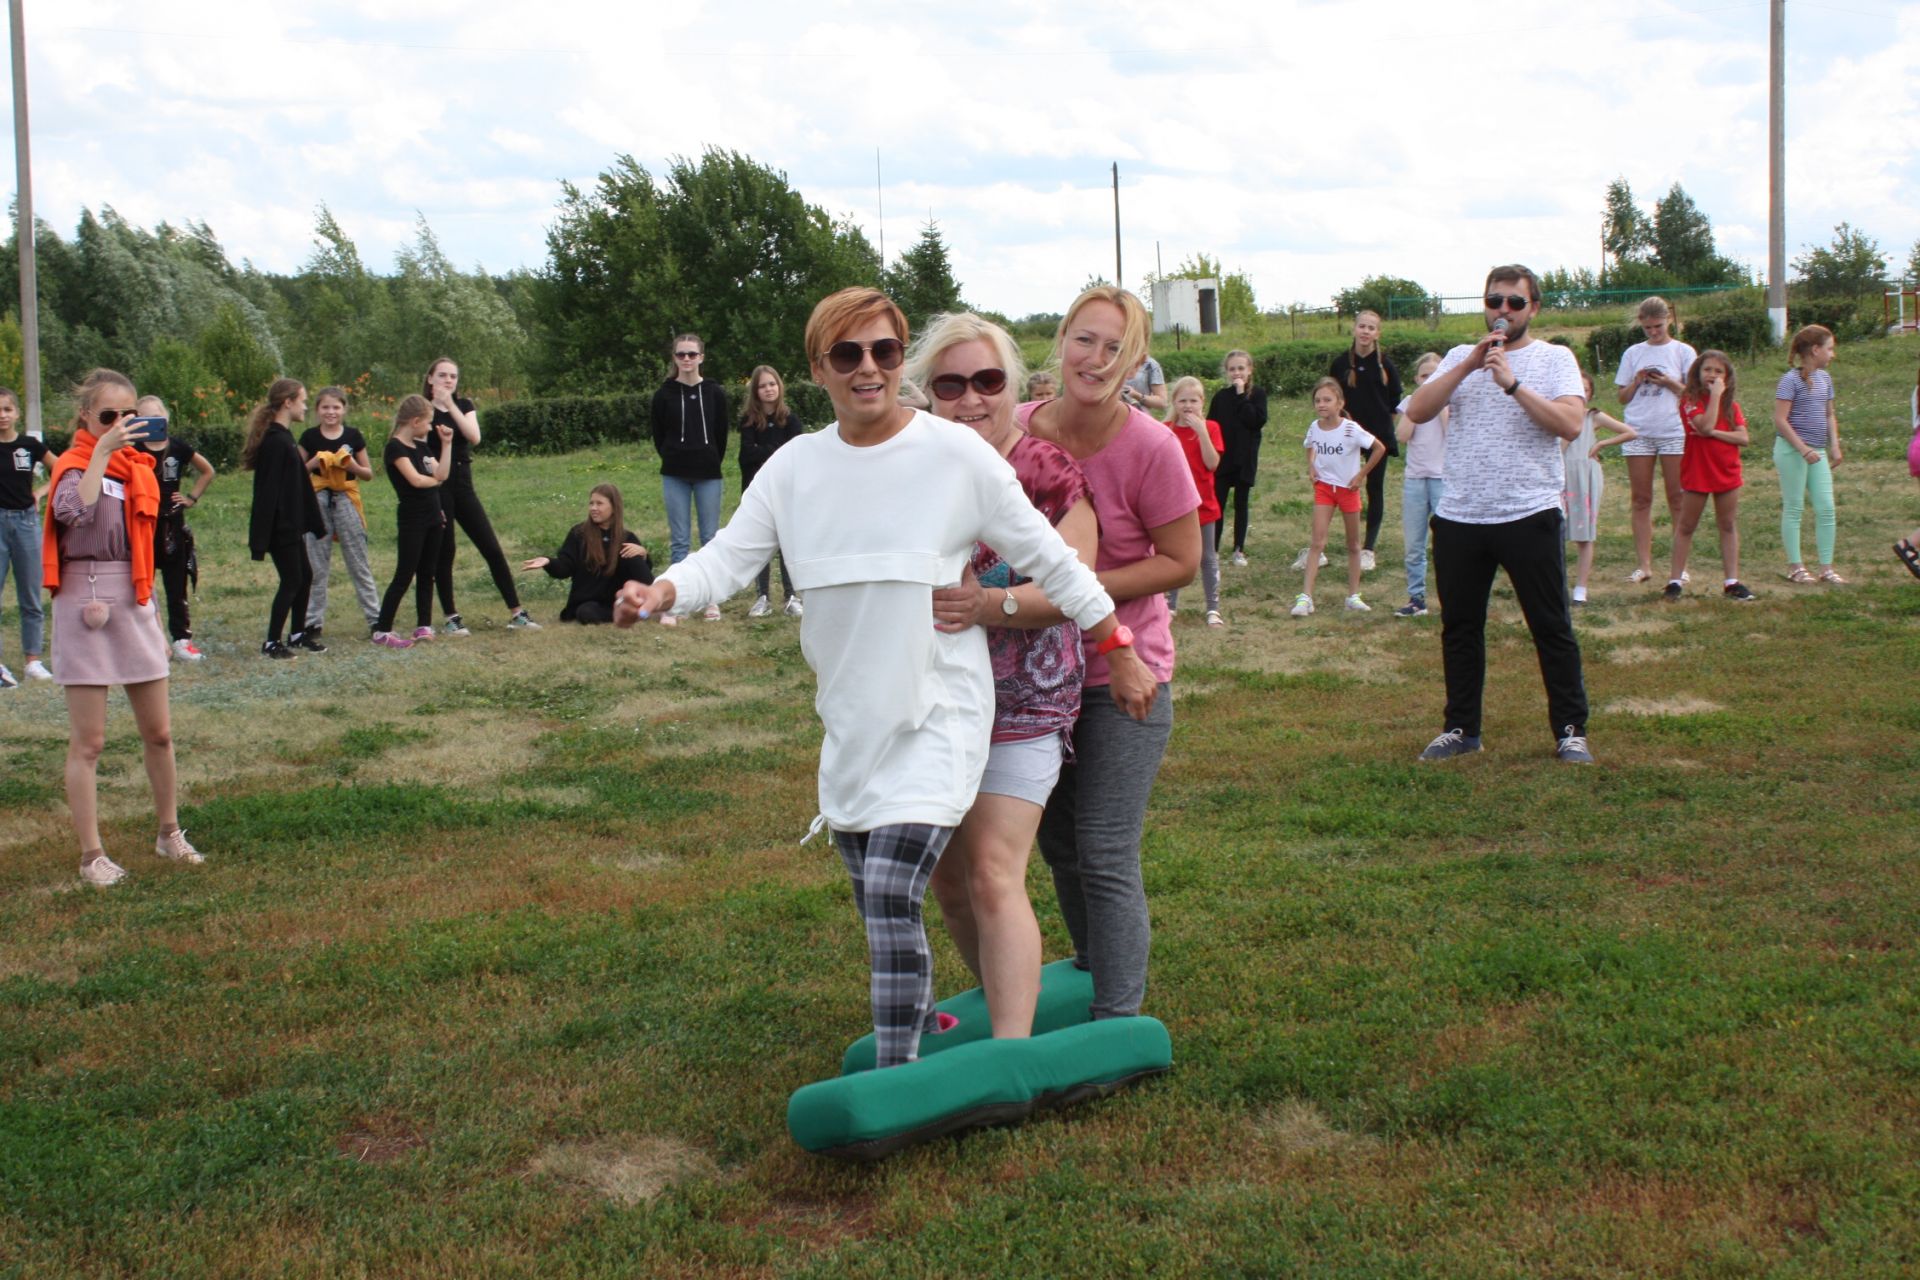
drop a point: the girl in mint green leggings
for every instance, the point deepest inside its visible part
(1806, 448)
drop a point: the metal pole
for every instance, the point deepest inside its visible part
(1118, 279)
(879, 203)
(23, 233)
(1777, 171)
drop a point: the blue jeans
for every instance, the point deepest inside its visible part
(680, 495)
(20, 550)
(1418, 498)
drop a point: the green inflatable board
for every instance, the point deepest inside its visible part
(868, 1115)
(1065, 993)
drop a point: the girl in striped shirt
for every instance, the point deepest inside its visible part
(1806, 449)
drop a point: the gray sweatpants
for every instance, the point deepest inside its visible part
(1090, 837)
(1209, 570)
(343, 525)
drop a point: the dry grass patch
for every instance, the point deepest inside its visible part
(1630, 626)
(628, 1171)
(471, 749)
(1635, 655)
(1297, 1128)
(1684, 704)
(379, 1139)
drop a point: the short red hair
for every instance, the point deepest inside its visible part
(839, 314)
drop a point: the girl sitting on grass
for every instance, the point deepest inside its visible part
(1340, 455)
(1199, 438)
(1716, 432)
(1586, 482)
(599, 555)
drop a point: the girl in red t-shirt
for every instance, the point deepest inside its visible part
(1716, 432)
(1200, 440)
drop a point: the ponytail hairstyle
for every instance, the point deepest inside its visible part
(89, 390)
(756, 417)
(279, 395)
(1697, 387)
(603, 559)
(1333, 385)
(412, 409)
(1188, 383)
(1808, 338)
(1353, 356)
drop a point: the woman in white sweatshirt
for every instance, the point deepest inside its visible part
(873, 514)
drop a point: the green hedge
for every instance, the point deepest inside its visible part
(562, 424)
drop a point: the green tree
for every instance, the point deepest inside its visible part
(1626, 233)
(1913, 264)
(341, 317)
(439, 310)
(1683, 242)
(1851, 267)
(1377, 293)
(177, 374)
(229, 350)
(922, 282)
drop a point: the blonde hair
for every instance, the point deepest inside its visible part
(1184, 384)
(1655, 308)
(159, 409)
(1353, 352)
(1135, 335)
(1228, 359)
(89, 389)
(950, 329)
(411, 409)
(1428, 360)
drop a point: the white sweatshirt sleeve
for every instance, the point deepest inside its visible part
(734, 557)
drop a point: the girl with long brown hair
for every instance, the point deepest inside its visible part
(284, 513)
(764, 427)
(599, 556)
(462, 503)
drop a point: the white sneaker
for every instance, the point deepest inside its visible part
(1366, 561)
(1685, 577)
(1300, 561)
(711, 613)
(760, 608)
(102, 871)
(1302, 605)
(186, 651)
(1240, 560)
(1214, 619)
(1357, 605)
(793, 609)
(6, 678)
(173, 844)
(37, 670)
(1639, 575)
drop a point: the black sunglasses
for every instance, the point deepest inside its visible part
(951, 386)
(686, 355)
(110, 416)
(1513, 301)
(845, 356)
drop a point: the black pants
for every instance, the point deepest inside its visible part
(171, 569)
(1376, 499)
(414, 561)
(592, 613)
(1241, 494)
(463, 507)
(1465, 557)
(296, 580)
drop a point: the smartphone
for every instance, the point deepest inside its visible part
(151, 430)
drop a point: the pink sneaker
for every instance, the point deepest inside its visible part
(421, 634)
(390, 640)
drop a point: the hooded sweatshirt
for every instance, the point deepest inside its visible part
(690, 428)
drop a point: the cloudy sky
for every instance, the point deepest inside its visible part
(1309, 144)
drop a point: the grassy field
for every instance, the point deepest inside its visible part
(506, 958)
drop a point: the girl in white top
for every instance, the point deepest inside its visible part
(1422, 484)
(1340, 455)
(1652, 375)
(873, 514)
(1586, 482)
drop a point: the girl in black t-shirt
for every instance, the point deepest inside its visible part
(174, 560)
(21, 458)
(1371, 386)
(455, 412)
(336, 457)
(417, 476)
(765, 425)
(597, 557)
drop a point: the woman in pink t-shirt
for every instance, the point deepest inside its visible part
(1149, 544)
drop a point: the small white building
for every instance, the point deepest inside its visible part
(1192, 306)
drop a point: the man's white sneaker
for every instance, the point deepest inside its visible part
(1357, 605)
(760, 608)
(173, 844)
(1302, 605)
(187, 651)
(793, 609)
(102, 871)
(1366, 561)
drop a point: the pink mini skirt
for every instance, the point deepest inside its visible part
(129, 649)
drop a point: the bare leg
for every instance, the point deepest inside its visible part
(1726, 511)
(1684, 523)
(1352, 521)
(1583, 563)
(997, 836)
(1322, 517)
(86, 737)
(1670, 472)
(1640, 478)
(150, 713)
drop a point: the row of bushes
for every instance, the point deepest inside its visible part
(562, 424)
(1741, 327)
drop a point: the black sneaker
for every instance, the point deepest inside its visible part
(1736, 591)
(308, 640)
(1673, 592)
(1413, 608)
(1572, 747)
(1454, 742)
(274, 649)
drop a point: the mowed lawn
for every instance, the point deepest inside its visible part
(506, 955)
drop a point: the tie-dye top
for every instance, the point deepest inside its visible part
(1036, 673)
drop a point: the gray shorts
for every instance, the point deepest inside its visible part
(1025, 770)
(1654, 446)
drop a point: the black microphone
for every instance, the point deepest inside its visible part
(1500, 332)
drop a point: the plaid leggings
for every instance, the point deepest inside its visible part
(890, 867)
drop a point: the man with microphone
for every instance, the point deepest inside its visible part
(1513, 400)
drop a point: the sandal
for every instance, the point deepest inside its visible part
(1828, 575)
(1799, 574)
(1909, 556)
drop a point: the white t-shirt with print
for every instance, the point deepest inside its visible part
(1501, 464)
(1654, 411)
(1339, 454)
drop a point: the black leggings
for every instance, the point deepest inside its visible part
(1376, 499)
(172, 572)
(413, 562)
(463, 508)
(296, 580)
(1241, 493)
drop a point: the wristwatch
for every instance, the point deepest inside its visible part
(1122, 638)
(1008, 605)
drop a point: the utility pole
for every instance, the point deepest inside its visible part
(1777, 172)
(880, 204)
(1119, 280)
(23, 234)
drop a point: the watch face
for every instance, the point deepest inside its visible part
(1008, 605)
